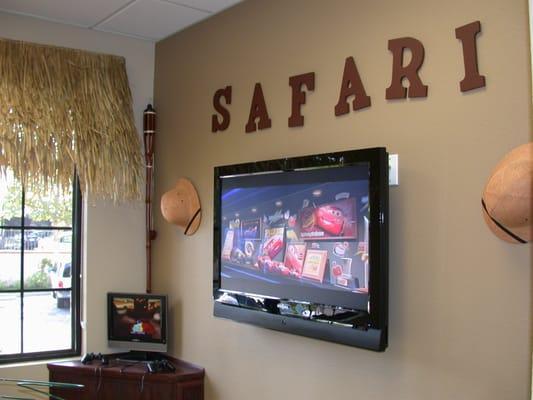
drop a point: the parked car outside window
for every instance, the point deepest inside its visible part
(62, 279)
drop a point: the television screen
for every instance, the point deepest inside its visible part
(301, 245)
(137, 319)
(300, 235)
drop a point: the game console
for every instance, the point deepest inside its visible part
(90, 357)
(160, 366)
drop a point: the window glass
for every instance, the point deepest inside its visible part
(10, 245)
(38, 266)
(53, 209)
(10, 200)
(10, 317)
(47, 321)
(45, 256)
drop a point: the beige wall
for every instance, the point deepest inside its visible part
(113, 239)
(460, 306)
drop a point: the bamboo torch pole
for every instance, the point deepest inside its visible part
(149, 141)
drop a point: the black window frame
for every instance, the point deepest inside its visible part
(75, 297)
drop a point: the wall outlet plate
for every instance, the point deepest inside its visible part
(393, 170)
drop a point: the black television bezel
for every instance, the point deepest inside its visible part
(370, 331)
(150, 345)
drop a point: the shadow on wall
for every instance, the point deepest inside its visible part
(210, 388)
(175, 334)
(397, 268)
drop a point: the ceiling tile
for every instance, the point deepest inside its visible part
(81, 13)
(152, 19)
(208, 5)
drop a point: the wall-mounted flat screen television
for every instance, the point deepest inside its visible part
(137, 322)
(301, 245)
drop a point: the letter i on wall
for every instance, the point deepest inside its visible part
(467, 35)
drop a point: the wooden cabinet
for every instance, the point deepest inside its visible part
(123, 380)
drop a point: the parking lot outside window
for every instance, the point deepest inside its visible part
(39, 272)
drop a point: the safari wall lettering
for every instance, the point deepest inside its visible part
(352, 87)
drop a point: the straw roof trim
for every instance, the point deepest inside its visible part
(63, 110)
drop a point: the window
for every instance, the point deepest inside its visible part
(39, 272)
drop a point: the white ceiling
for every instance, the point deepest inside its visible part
(144, 19)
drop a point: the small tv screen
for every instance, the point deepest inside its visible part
(137, 318)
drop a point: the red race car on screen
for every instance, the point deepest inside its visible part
(330, 219)
(294, 259)
(273, 246)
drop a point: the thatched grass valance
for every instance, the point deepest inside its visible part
(63, 110)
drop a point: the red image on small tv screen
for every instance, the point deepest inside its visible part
(137, 318)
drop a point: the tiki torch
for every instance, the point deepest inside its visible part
(149, 141)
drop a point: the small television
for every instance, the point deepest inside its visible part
(137, 322)
(301, 245)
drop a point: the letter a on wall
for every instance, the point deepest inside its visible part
(258, 109)
(351, 86)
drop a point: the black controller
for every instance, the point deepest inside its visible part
(90, 357)
(160, 366)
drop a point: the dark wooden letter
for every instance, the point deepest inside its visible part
(224, 113)
(351, 86)
(258, 109)
(416, 88)
(298, 97)
(467, 35)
